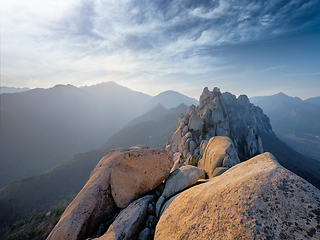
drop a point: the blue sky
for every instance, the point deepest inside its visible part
(242, 46)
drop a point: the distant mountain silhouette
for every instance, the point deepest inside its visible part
(4, 89)
(40, 128)
(157, 111)
(149, 129)
(170, 99)
(315, 100)
(295, 121)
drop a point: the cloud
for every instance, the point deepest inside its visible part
(80, 40)
(153, 25)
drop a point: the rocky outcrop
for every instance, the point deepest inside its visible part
(256, 199)
(247, 121)
(219, 155)
(179, 180)
(220, 115)
(121, 176)
(128, 223)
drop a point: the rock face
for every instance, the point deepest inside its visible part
(120, 177)
(219, 155)
(256, 199)
(220, 115)
(128, 222)
(247, 122)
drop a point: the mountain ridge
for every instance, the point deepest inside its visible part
(170, 99)
(295, 121)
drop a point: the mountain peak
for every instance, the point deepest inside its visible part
(221, 115)
(170, 99)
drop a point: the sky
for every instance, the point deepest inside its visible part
(252, 47)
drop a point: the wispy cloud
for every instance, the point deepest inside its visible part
(273, 68)
(303, 74)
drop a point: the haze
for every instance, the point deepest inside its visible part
(252, 47)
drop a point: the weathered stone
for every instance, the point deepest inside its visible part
(185, 129)
(188, 158)
(192, 146)
(185, 119)
(195, 123)
(177, 161)
(186, 144)
(244, 100)
(256, 199)
(186, 137)
(120, 177)
(180, 179)
(159, 205)
(176, 139)
(129, 221)
(196, 152)
(204, 96)
(138, 172)
(217, 115)
(203, 146)
(190, 109)
(206, 115)
(144, 234)
(254, 144)
(218, 151)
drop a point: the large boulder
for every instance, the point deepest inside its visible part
(130, 221)
(179, 180)
(219, 152)
(256, 199)
(120, 177)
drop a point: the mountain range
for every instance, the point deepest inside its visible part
(41, 128)
(295, 121)
(12, 89)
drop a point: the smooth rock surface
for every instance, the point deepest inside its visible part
(180, 179)
(120, 177)
(130, 221)
(219, 152)
(256, 199)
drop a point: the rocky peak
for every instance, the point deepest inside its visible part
(221, 115)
